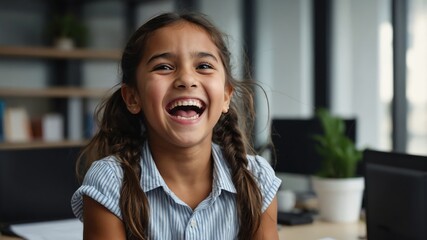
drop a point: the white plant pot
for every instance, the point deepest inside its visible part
(339, 200)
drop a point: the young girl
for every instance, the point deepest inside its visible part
(170, 158)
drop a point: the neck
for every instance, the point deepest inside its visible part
(186, 171)
(183, 165)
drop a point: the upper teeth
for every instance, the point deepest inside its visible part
(189, 102)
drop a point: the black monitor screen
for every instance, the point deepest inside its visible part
(294, 146)
(396, 195)
(37, 184)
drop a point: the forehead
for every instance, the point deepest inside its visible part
(181, 35)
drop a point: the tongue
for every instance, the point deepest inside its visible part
(183, 113)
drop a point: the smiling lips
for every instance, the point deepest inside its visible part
(186, 109)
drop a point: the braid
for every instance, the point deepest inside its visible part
(249, 198)
(120, 134)
(131, 200)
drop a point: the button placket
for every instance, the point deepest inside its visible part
(193, 223)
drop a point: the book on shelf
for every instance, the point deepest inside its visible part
(36, 127)
(17, 125)
(48, 128)
(91, 126)
(52, 127)
(74, 118)
(2, 110)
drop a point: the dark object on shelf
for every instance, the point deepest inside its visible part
(68, 27)
(294, 218)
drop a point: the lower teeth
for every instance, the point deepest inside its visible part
(188, 118)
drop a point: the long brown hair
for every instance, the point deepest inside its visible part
(122, 134)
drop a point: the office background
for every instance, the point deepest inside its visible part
(305, 53)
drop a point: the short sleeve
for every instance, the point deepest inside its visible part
(102, 183)
(266, 177)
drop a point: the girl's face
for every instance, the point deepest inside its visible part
(181, 86)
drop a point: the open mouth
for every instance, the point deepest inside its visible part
(187, 109)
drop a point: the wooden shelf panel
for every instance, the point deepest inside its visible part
(59, 92)
(40, 144)
(46, 52)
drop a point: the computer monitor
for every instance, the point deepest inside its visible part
(294, 147)
(396, 195)
(37, 184)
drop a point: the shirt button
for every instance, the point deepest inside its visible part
(193, 223)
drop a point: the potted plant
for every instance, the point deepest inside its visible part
(336, 185)
(67, 31)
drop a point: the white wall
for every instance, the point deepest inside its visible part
(283, 61)
(356, 64)
(149, 9)
(20, 23)
(284, 67)
(227, 16)
(284, 56)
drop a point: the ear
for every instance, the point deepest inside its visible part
(130, 97)
(228, 93)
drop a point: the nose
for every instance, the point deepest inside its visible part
(185, 79)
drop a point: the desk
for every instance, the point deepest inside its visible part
(8, 238)
(320, 229)
(315, 231)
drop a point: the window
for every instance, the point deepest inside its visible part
(416, 77)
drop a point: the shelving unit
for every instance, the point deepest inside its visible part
(52, 92)
(64, 76)
(45, 52)
(73, 95)
(41, 144)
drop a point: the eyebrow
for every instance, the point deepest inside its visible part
(161, 55)
(168, 55)
(206, 54)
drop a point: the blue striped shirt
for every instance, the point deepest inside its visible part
(171, 218)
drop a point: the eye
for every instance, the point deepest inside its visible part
(163, 67)
(204, 66)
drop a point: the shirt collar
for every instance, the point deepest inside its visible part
(222, 172)
(151, 178)
(150, 175)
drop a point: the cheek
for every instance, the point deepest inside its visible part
(151, 95)
(218, 92)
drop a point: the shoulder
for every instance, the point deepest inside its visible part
(266, 178)
(106, 167)
(105, 174)
(102, 183)
(259, 165)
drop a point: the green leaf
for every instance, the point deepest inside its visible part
(338, 153)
